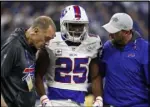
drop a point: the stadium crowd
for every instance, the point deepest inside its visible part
(21, 14)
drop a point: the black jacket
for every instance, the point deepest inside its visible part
(17, 62)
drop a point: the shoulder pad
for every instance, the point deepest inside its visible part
(93, 35)
(58, 33)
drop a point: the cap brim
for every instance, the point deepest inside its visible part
(111, 29)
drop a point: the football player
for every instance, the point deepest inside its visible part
(67, 60)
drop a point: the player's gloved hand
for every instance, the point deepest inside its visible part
(98, 102)
(45, 101)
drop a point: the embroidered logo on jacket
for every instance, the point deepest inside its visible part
(131, 55)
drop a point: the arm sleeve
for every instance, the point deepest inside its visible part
(147, 73)
(8, 57)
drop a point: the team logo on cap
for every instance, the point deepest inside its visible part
(115, 19)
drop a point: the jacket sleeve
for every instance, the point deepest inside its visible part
(146, 64)
(147, 73)
(8, 59)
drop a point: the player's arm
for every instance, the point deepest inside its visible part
(96, 78)
(96, 72)
(40, 70)
(41, 67)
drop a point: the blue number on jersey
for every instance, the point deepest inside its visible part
(67, 69)
(70, 66)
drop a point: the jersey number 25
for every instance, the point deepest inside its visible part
(71, 70)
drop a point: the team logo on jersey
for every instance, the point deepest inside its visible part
(58, 52)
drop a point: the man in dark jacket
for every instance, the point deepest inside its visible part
(18, 61)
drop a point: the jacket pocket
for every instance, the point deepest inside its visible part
(26, 99)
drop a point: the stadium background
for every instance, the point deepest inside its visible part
(21, 14)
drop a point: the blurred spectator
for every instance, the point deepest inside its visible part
(21, 14)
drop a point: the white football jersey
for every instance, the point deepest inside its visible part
(69, 65)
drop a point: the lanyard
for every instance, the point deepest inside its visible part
(27, 57)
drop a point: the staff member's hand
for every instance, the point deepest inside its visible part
(3, 104)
